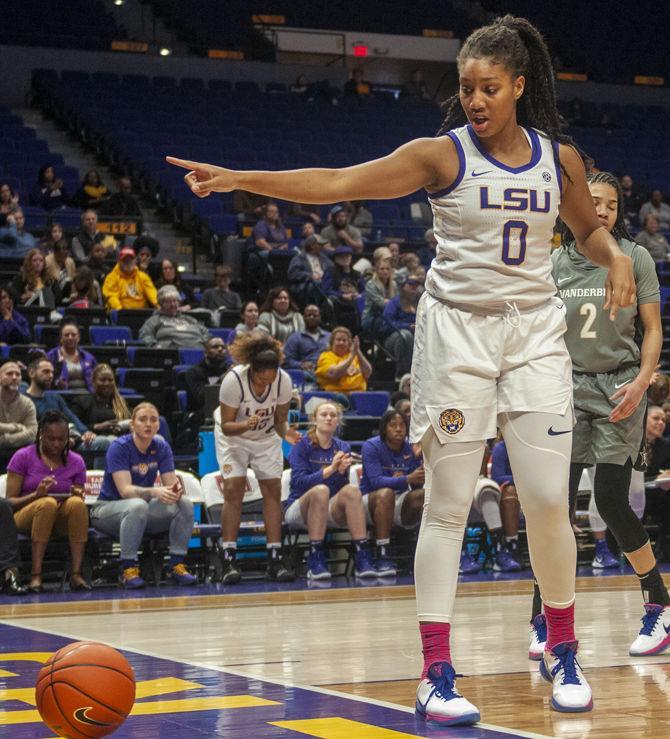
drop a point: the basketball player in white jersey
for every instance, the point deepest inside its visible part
(255, 396)
(489, 344)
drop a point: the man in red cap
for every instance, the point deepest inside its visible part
(128, 287)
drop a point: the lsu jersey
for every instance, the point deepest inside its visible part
(494, 227)
(236, 392)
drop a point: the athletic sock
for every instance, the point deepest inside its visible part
(653, 588)
(360, 544)
(229, 550)
(435, 641)
(560, 625)
(315, 546)
(537, 600)
(382, 546)
(274, 549)
(175, 559)
(126, 563)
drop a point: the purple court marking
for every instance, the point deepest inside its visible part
(239, 723)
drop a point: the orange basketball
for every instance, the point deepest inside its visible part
(85, 689)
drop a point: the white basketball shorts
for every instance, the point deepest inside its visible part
(468, 368)
(264, 456)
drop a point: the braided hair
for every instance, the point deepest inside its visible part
(516, 44)
(48, 419)
(619, 230)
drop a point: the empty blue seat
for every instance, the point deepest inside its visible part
(227, 334)
(101, 335)
(297, 377)
(369, 403)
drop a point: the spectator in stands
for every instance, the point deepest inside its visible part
(280, 316)
(392, 485)
(10, 556)
(658, 207)
(361, 218)
(73, 365)
(50, 192)
(269, 233)
(9, 200)
(310, 90)
(93, 192)
(417, 86)
(306, 270)
(87, 236)
(14, 328)
(221, 297)
(61, 267)
(209, 371)
(632, 199)
(356, 85)
(659, 389)
(97, 263)
(15, 241)
(379, 290)
(426, 253)
(169, 327)
(309, 213)
(342, 269)
(147, 248)
(45, 487)
(18, 422)
(249, 315)
(104, 411)
(249, 206)
(652, 239)
(130, 503)
(170, 276)
(303, 348)
(343, 368)
(122, 203)
(345, 305)
(85, 290)
(400, 315)
(53, 235)
(33, 284)
(126, 286)
(408, 263)
(41, 374)
(340, 232)
(322, 496)
(658, 468)
(394, 248)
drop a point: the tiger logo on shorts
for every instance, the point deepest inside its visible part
(227, 469)
(451, 421)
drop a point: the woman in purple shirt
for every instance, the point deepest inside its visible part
(45, 487)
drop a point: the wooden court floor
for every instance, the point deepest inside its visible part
(364, 641)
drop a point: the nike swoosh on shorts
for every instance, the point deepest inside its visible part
(551, 432)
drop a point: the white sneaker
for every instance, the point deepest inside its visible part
(571, 692)
(438, 700)
(654, 636)
(538, 637)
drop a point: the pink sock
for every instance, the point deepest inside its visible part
(435, 640)
(560, 625)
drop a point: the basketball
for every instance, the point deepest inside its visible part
(85, 689)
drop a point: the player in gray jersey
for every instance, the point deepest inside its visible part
(488, 348)
(611, 375)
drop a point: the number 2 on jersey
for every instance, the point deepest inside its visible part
(591, 312)
(514, 242)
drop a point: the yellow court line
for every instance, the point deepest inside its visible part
(340, 728)
(41, 657)
(163, 686)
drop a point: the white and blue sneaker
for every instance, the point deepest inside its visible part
(438, 701)
(317, 569)
(654, 636)
(386, 567)
(363, 564)
(468, 565)
(571, 692)
(603, 559)
(538, 637)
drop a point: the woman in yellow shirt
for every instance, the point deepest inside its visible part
(343, 368)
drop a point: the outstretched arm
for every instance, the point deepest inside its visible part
(420, 163)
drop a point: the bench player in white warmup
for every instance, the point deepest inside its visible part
(489, 347)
